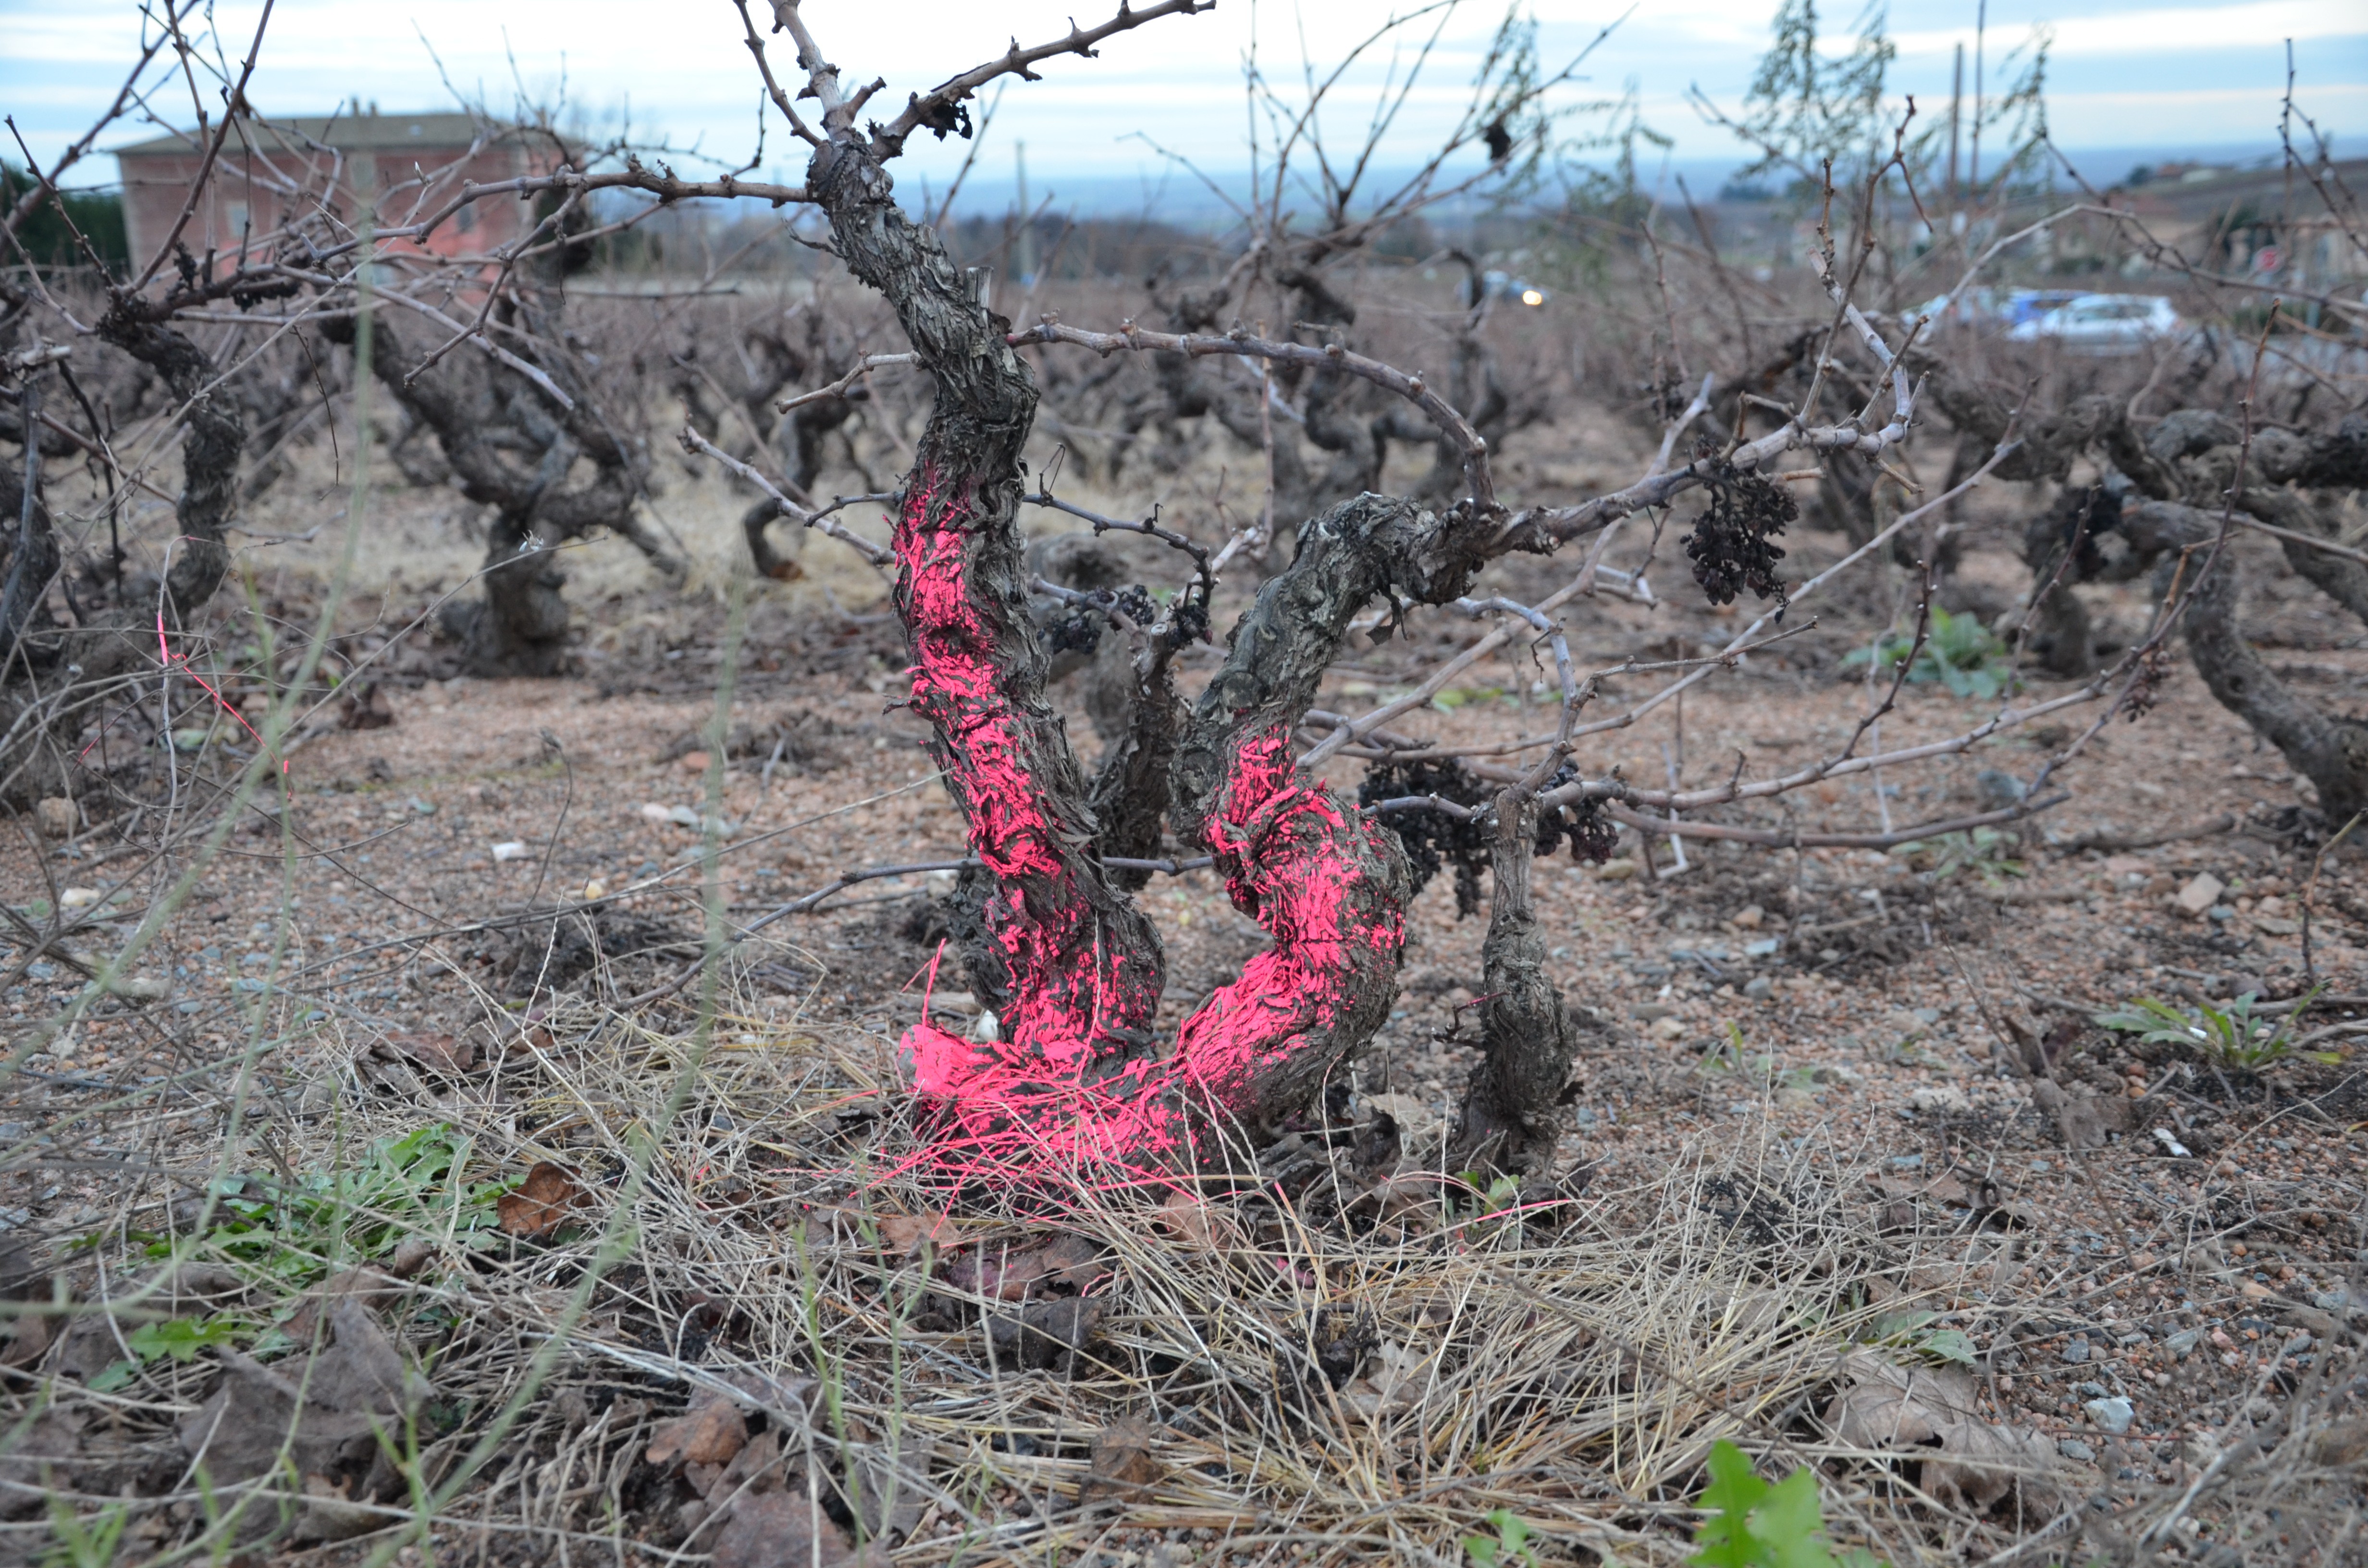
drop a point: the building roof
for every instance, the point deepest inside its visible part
(370, 131)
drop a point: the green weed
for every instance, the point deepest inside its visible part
(286, 1238)
(1754, 1525)
(1959, 651)
(1509, 1545)
(2226, 1037)
(1914, 1331)
(1980, 852)
(85, 1543)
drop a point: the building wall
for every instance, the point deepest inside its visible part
(262, 193)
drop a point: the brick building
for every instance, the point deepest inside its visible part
(273, 173)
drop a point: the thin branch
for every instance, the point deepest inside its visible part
(1196, 346)
(927, 111)
(863, 367)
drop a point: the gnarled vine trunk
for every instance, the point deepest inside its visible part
(1077, 1072)
(55, 675)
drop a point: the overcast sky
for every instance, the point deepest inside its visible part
(2126, 73)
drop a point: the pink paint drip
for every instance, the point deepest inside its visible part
(1033, 1105)
(170, 661)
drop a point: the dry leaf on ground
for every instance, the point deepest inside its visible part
(1124, 1464)
(449, 1054)
(1190, 1218)
(538, 1204)
(327, 1414)
(781, 1529)
(45, 1451)
(1007, 1273)
(1969, 1462)
(372, 1286)
(903, 1234)
(1049, 1334)
(711, 1432)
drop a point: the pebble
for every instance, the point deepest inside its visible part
(2202, 892)
(2184, 1341)
(2113, 1412)
(1939, 1100)
(1761, 989)
(2073, 1448)
(2077, 1352)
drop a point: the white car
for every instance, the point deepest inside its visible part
(2106, 321)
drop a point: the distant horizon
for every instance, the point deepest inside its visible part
(2127, 78)
(1104, 194)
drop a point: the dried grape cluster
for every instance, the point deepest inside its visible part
(1732, 545)
(1593, 836)
(1434, 840)
(1080, 630)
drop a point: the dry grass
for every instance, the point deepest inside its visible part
(1320, 1384)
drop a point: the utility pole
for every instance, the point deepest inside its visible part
(1956, 99)
(1024, 257)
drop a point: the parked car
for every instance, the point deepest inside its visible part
(1503, 285)
(2029, 304)
(2107, 322)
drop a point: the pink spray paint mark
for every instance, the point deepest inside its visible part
(172, 661)
(1028, 1107)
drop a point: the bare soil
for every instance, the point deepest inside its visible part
(1848, 1021)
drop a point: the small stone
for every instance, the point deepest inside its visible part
(1759, 989)
(2000, 790)
(595, 890)
(1943, 1098)
(2255, 1289)
(1669, 1029)
(1616, 870)
(1749, 917)
(2183, 1341)
(2073, 1448)
(77, 898)
(1764, 947)
(694, 762)
(2113, 1412)
(2077, 1352)
(56, 817)
(2202, 892)
(1652, 1012)
(513, 850)
(1907, 1162)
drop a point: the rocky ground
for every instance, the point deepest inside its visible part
(2141, 1251)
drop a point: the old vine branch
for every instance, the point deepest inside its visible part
(1389, 378)
(934, 109)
